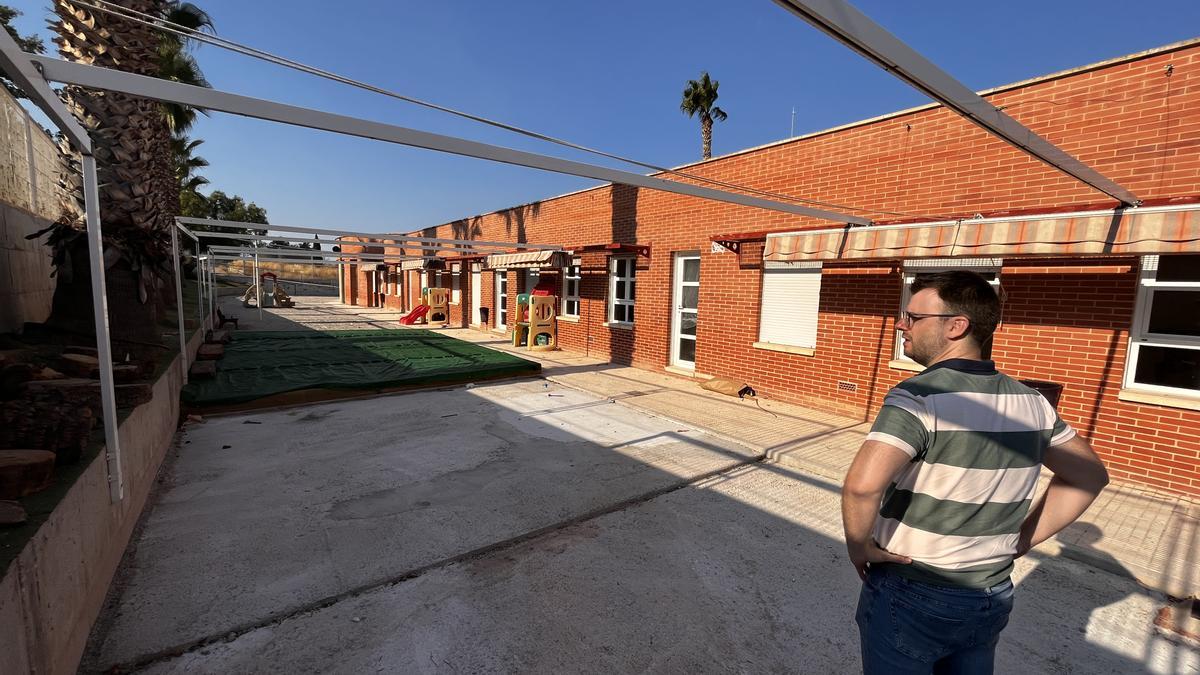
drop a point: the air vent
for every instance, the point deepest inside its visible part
(847, 386)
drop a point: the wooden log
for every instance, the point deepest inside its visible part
(80, 365)
(87, 392)
(24, 472)
(126, 373)
(11, 513)
(86, 351)
(203, 370)
(48, 374)
(209, 352)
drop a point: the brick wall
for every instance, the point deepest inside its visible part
(1066, 321)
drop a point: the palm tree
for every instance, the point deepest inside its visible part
(186, 164)
(139, 185)
(175, 63)
(698, 98)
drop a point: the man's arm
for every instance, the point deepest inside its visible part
(874, 467)
(1079, 476)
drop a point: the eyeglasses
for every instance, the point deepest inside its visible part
(913, 317)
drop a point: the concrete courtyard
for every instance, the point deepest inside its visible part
(535, 526)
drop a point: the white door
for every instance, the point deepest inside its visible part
(501, 300)
(687, 304)
(476, 293)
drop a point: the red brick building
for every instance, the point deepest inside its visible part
(1106, 304)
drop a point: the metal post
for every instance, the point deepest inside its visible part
(201, 291)
(213, 297)
(341, 292)
(183, 354)
(257, 283)
(108, 398)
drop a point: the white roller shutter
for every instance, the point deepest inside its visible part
(791, 296)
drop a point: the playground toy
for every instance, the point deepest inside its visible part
(275, 297)
(417, 314)
(536, 328)
(434, 308)
(438, 300)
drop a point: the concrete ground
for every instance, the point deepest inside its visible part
(580, 523)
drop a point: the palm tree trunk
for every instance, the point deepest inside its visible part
(128, 135)
(706, 135)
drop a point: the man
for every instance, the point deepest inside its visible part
(937, 504)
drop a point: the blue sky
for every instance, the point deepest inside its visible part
(606, 75)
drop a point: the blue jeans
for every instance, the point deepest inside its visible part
(907, 626)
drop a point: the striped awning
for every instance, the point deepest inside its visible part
(527, 259)
(1148, 230)
(422, 264)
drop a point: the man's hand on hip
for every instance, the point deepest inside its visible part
(863, 556)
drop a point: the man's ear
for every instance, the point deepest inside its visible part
(960, 327)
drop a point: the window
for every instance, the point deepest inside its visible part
(571, 278)
(532, 276)
(621, 289)
(1164, 343)
(455, 283)
(988, 268)
(791, 296)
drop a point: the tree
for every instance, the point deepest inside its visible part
(220, 206)
(130, 141)
(177, 65)
(140, 187)
(186, 163)
(698, 98)
(29, 43)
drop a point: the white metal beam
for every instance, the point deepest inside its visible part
(381, 257)
(212, 99)
(15, 63)
(397, 239)
(266, 259)
(845, 23)
(374, 244)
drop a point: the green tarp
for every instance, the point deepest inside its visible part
(264, 363)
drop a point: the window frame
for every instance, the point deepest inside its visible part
(455, 283)
(613, 281)
(577, 265)
(1139, 330)
(930, 266)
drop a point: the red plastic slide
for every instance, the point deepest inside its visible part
(416, 313)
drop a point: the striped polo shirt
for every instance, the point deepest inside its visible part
(976, 438)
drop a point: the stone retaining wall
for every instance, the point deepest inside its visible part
(52, 593)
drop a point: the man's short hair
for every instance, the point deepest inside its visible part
(967, 293)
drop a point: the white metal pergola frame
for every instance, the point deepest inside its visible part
(32, 73)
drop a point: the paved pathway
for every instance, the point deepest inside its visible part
(1149, 535)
